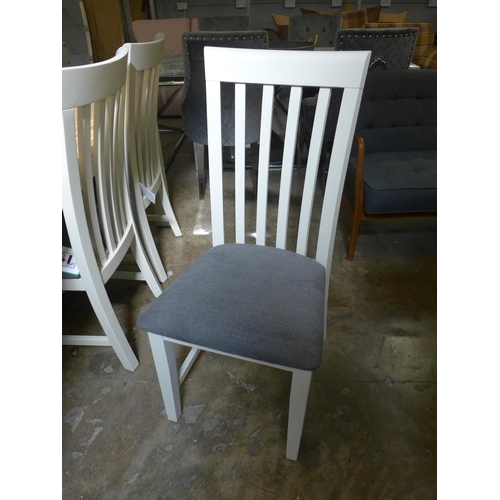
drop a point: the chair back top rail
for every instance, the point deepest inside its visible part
(75, 94)
(269, 68)
(146, 55)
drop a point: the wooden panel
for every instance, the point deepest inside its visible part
(106, 27)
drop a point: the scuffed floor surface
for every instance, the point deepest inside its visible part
(370, 429)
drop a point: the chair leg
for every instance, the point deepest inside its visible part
(148, 241)
(145, 266)
(356, 222)
(107, 318)
(166, 369)
(199, 158)
(169, 211)
(301, 381)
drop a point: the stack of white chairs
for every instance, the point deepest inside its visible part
(105, 163)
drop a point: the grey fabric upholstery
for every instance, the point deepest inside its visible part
(193, 101)
(399, 111)
(398, 182)
(324, 25)
(259, 302)
(398, 122)
(392, 47)
(223, 23)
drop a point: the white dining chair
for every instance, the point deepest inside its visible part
(148, 180)
(95, 196)
(263, 301)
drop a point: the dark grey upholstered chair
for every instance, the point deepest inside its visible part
(393, 166)
(392, 48)
(222, 23)
(324, 25)
(193, 101)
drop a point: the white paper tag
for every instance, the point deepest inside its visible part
(148, 194)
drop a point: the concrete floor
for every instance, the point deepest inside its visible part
(370, 428)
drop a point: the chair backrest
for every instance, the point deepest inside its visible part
(323, 69)
(324, 25)
(143, 141)
(145, 30)
(193, 101)
(96, 205)
(399, 111)
(392, 48)
(221, 23)
(425, 39)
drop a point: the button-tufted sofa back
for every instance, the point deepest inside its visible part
(399, 111)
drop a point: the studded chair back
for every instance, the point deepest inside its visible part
(392, 48)
(194, 102)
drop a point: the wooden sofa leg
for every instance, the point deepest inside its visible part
(354, 237)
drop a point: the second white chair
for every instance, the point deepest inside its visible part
(148, 180)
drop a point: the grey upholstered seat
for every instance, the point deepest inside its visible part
(271, 311)
(193, 101)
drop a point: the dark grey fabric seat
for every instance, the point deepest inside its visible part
(271, 311)
(398, 182)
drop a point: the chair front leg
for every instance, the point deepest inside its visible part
(166, 368)
(301, 381)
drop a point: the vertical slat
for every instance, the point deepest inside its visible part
(239, 165)
(292, 123)
(146, 74)
(263, 169)
(119, 132)
(313, 160)
(344, 133)
(112, 131)
(215, 161)
(92, 166)
(103, 147)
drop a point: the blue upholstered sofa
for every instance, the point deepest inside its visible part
(393, 168)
